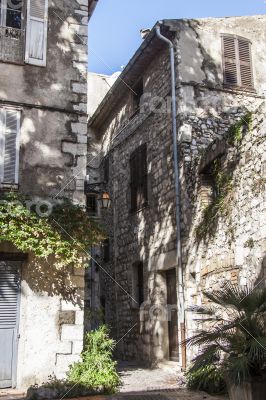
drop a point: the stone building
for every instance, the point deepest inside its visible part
(219, 206)
(43, 145)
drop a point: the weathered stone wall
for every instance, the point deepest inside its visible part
(206, 111)
(53, 155)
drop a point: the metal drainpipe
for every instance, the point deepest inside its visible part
(181, 309)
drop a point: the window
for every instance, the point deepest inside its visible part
(9, 145)
(237, 61)
(137, 284)
(91, 204)
(136, 97)
(12, 31)
(138, 178)
(11, 13)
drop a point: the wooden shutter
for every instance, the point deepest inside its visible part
(245, 63)
(9, 149)
(230, 60)
(237, 61)
(36, 33)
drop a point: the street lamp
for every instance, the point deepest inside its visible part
(104, 201)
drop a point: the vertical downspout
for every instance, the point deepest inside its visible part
(181, 309)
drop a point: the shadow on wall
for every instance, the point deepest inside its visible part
(42, 278)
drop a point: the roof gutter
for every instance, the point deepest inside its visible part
(180, 274)
(92, 4)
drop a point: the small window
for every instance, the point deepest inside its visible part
(136, 97)
(137, 284)
(91, 204)
(138, 178)
(237, 62)
(106, 250)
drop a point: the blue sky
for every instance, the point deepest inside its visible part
(114, 27)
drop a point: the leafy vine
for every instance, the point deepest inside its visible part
(64, 233)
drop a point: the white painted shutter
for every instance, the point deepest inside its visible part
(36, 33)
(9, 145)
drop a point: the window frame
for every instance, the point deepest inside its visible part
(94, 213)
(3, 16)
(239, 84)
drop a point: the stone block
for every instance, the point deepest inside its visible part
(79, 317)
(66, 317)
(69, 306)
(64, 347)
(63, 361)
(79, 88)
(77, 347)
(72, 332)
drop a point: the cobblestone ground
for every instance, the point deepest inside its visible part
(155, 384)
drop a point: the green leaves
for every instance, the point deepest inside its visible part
(238, 340)
(96, 370)
(65, 233)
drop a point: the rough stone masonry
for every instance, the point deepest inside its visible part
(221, 135)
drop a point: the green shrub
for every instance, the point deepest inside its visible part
(96, 370)
(209, 379)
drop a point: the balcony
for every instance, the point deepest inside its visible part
(11, 45)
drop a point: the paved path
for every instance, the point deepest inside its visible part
(155, 384)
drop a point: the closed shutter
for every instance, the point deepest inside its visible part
(36, 34)
(9, 296)
(246, 77)
(9, 145)
(230, 61)
(9, 286)
(237, 62)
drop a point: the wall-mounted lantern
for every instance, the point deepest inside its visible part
(104, 201)
(102, 196)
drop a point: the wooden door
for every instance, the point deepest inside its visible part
(172, 322)
(9, 296)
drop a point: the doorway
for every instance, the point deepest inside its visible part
(9, 312)
(172, 314)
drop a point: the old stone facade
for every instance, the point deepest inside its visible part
(43, 87)
(221, 132)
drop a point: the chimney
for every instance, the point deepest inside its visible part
(144, 33)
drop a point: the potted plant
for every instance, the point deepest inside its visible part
(233, 339)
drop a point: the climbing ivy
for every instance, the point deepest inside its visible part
(224, 183)
(236, 131)
(62, 231)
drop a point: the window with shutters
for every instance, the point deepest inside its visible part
(23, 31)
(237, 62)
(138, 178)
(9, 145)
